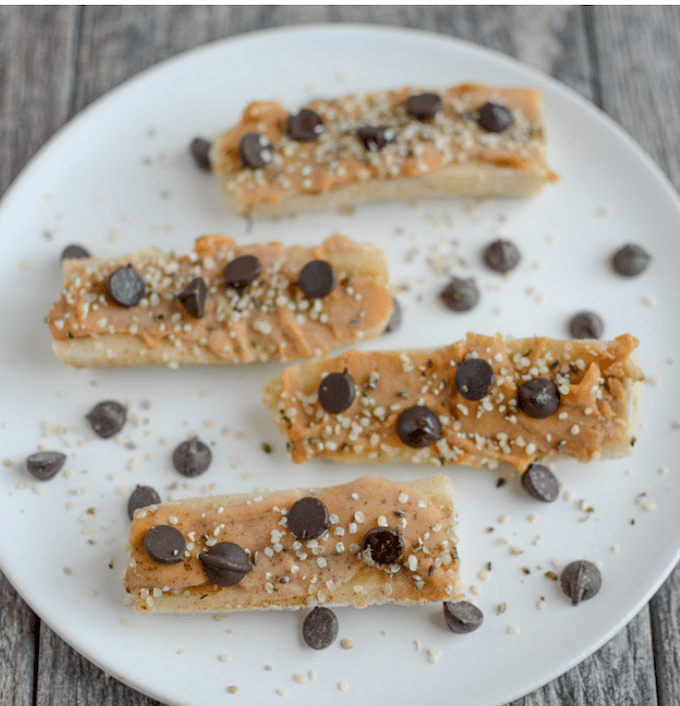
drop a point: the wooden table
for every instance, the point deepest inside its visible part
(54, 61)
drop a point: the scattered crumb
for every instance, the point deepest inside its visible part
(664, 471)
(268, 667)
(125, 622)
(541, 605)
(300, 678)
(312, 674)
(649, 300)
(232, 689)
(282, 692)
(343, 686)
(501, 608)
(181, 651)
(225, 658)
(616, 548)
(346, 643)
(434, 655)
(513, 630)
(504, 519)
(418, 645)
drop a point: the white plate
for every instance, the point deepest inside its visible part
(119, 177)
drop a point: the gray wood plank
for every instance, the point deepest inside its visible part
(665, 620)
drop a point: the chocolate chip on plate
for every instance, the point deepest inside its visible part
(374, 138)
(586, 324)
(242, 271)
(194, 297)
(107, 418)
(580, 580)
(382, 546)
(200, 151)
(395, 319)
(631, 260)
(125, 286)
(423, 106)
(226, 563)
(317, 279)
(462, 617)
(164, 544)
(538, 398)
(306, 126)
(308, 518)
(474, 378)
(255, 150)
(418, 427)
(191, 458)
(320, 628)
(74, 252)
(460, 294)
(142, 496)
(45, 464)
(494, 117)
(540, 482)
(501, 256)
(336, 392)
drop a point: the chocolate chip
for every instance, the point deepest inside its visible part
(194, 297)
(320, 628)
(382, 546)
(226, 563)
(191, 458)
(580, 580)
(474, 378)
(45, 464)
(501, 256)
(308, 518)
(255, 150)
(538, 398)
(462, 617)
(460, 294)
(125, 286)
(107, 418)
(242, 271)
(631, 260)
(586, 324)
(395, 319)
(423, 106)
(418, 427)
(374, 138)
(142, 496)
(540, 482)
(336, 392)
(306, 126)
(164, 544)
(74, 252)
(317, 279)
(200, 151)
(494, 117)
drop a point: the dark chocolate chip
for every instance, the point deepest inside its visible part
(107, 418)
(374, 138)
(74, 252)
(460, 294)
(200, 151)
(142, 496)
(164, 544)
(580, 580)
(255, 150)
(418, 427)
(540, 482)
(320, 628)
(631, 260)
(423, 106)
(586, 324)
(501, 256)
(194, 296)
(306, 126)
(462, 617)
(538, 398)
(191, 458)
(125, 286)
(226, 563)
(474, 378)
(395, 319)
(45, 464)
(336, 392)
(308, 518)
(242, 271)
(382, 546)
(494, 117)
(317, 279)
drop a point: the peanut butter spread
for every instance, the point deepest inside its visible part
(270, 318)
(290, 572)
(416, 148)
(595, 382)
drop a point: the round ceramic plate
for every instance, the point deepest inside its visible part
(119, 177)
